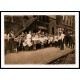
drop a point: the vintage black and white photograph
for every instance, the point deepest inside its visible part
(38, 38)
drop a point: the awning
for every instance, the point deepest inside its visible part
(42, 27)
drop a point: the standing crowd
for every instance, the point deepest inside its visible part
(33, 41)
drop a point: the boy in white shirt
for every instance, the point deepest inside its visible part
(62, 41)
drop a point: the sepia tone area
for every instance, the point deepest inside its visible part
(39, 39)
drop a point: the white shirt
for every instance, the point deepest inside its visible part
(29, 43)
(62, 36)
(42, 39)
(51, 39)
(55, 38)
(28, 36)
(59, 38)
(46, 38)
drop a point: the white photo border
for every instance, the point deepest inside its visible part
(76, 65)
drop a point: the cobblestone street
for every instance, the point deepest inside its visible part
(67, 59)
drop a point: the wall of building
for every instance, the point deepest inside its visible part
(53, 23)
(59, 23)
(15, 22)
(52, 26)
(69, 23)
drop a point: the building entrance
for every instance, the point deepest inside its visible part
(53, 30)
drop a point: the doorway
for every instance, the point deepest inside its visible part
(53, 30)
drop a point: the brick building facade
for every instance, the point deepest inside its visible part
(52, 24)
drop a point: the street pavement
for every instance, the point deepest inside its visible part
(41, 56)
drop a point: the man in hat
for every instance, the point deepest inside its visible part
(62, 41)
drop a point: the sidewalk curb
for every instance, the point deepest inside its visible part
(60, 57)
